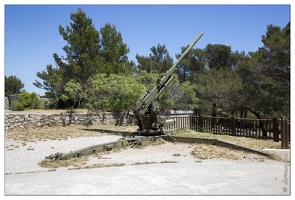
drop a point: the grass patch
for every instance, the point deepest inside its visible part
(159, 141)
(97, 166)
(60, 132)
(176, 154)
(30, 148)
(207, 151)
(33, 111)
(200, 151)
(143, 163)
(76, 162)
(252, 143)
(168, 161)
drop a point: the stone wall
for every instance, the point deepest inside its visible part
(13, 98)
(6, 102)
(14, 121)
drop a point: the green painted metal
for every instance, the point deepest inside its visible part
(122, 143)
(95, 149)
(146, 108)
(145, 141)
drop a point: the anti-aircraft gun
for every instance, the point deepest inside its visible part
(146, 109)
(147, 113)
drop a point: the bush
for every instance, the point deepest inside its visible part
(17, 106)
(26, 100)
(34, 101)
(113, 93)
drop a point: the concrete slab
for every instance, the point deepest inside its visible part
(282, 153)
(210, 177)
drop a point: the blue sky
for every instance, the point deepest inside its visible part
(31, 33)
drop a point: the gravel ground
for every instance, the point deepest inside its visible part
(23, 159)
(165, 169)
(167, 152)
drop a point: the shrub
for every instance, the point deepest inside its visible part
(26, 100)
(17, 106)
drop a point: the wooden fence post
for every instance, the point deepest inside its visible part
(282, 134)
(200, 123)
(275, 130)
(191, 122)
(233, 125)
(285, 134)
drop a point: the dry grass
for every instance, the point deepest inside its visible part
(252, 143)
(33, 111)
(199, 151)
(61, 132)
(143, 163)
(168, 161)
(76, 162)
(207, 151)
(73, 131)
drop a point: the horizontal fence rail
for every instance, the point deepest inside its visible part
(275, 129)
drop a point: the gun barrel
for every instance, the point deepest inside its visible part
(171, 70)
(147, 98)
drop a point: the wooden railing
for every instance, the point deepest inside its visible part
(275, 129)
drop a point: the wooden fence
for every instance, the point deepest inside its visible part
(275, 129)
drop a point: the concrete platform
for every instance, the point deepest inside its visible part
(210, 177)
(282, 153)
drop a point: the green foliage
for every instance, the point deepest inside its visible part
(52, 83)
(74, 91)
(188, 96)
(259, 82)
(275, 54)
(83, 44)
(159, 60)
(113, 53)
(191, 64)
(13, 85)
(96, 73)
(221, 87)
(34, 101)
(17, 106)
(114, 92)
(218, 56)
(26, 100)
(149, 80)
(179, 96)
(88, 52)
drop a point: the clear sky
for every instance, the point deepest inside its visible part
(31, 33)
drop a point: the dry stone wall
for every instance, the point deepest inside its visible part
(6, 102)
(14, 121)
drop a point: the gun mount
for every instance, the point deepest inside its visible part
(146, 109)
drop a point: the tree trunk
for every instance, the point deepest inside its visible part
(261, 125)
